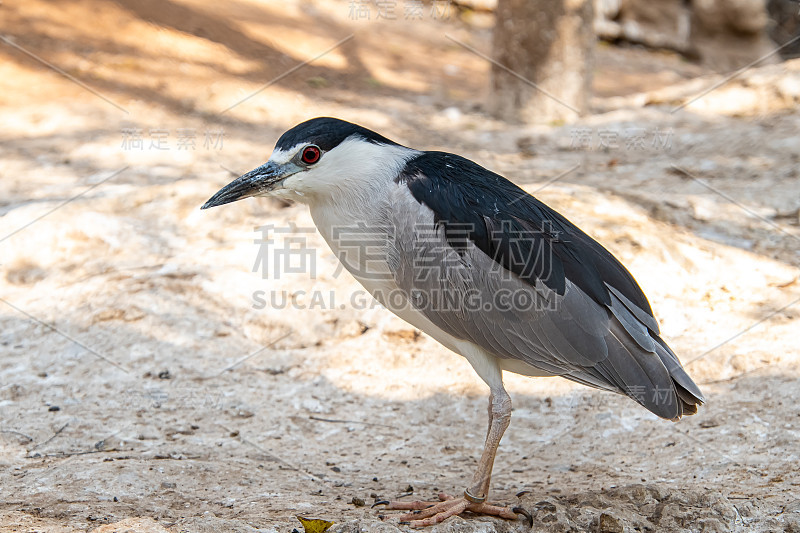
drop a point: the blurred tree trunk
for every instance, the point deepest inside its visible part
(549, 43)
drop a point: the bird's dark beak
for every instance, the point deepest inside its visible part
(256, 182)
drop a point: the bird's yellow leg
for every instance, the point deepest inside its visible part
(499, 418)
(474, 499)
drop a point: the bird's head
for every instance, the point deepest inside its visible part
(320, 159)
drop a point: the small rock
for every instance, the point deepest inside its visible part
(547, 507)
(608, 524)
(358, 502)
(53, 408)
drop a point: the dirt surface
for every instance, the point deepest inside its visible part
(142, 387)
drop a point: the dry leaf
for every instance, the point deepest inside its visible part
(314, 525)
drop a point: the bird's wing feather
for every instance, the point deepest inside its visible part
(518, 231)
(573, 311)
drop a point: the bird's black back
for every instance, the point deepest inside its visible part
(515, 229)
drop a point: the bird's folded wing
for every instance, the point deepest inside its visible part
(535, 312)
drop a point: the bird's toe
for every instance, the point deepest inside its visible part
(523, 512)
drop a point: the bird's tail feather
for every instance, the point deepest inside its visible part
(657, 380)
(688, 392)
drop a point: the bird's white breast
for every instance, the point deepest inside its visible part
(360, 237)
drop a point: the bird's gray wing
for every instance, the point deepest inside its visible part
(472, 296)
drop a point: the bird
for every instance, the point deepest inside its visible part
(484, 268)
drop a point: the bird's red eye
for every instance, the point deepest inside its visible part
(310, 155)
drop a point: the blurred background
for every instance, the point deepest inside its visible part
(167, 369)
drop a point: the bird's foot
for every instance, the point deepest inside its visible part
(429, 513)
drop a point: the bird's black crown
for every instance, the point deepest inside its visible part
(327, 133)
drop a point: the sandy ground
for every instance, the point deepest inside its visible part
(143, 387)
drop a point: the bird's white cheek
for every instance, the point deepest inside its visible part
(296, 186)
(294, 182)
(317, 182)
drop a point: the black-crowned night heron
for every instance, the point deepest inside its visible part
(481, 266)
